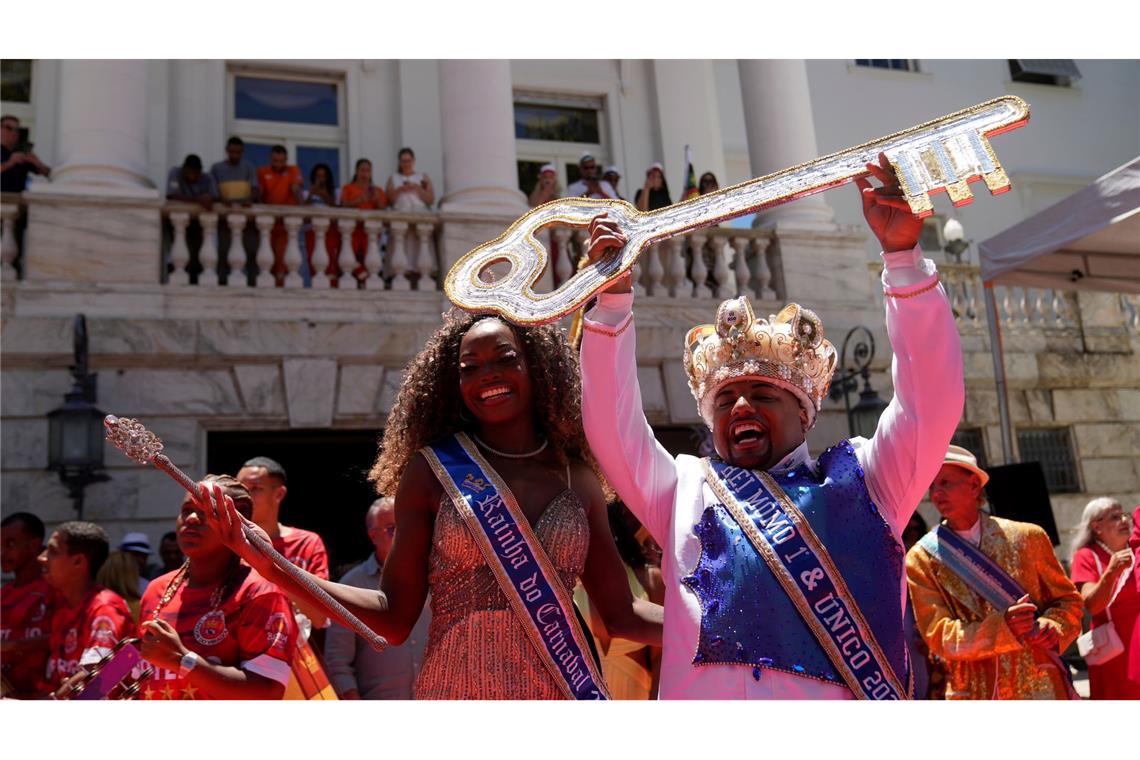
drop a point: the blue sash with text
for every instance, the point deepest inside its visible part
(520, 565)
(791, 550)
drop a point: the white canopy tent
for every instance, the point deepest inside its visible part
(1087, 241)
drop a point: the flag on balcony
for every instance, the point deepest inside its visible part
(690, 190)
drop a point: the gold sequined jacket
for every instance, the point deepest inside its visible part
(972, 636)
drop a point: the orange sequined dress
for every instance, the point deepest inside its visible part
(477, 648)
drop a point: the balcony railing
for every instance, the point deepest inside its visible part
(300, 246)
(1021, 310)
(731, 262)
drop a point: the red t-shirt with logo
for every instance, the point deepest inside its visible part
(84, 634)
(305, 549)
(25, 613)
(252, 629)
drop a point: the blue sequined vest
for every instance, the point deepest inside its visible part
(746, 616)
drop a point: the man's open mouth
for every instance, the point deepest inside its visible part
(747, 433)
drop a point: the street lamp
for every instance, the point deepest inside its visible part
(75, 430)
(863, 418)
(956, 243)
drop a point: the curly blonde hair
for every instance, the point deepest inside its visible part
(429, 408)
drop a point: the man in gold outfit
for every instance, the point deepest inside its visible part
(992, 652)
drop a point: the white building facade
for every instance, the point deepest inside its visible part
(198, 356)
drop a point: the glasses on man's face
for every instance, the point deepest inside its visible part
(9, 127)
(390, 530)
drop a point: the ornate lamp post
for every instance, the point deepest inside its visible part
(863, 418)
(75, 430)
(956, 243)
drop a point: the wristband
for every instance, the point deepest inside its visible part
(189, 662)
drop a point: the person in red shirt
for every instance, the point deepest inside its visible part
(1104, 569)
(88, 619)
(265, 480)
(214, 628)
(25, 607)
(281, 185)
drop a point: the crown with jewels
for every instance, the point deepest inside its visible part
(787, 350)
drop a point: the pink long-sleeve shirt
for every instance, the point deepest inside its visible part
(668, 494)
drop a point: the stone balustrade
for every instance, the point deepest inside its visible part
(731, 262)
(11, 206)
(300, 247)
(1021, 310)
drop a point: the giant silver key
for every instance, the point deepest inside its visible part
(943, 155)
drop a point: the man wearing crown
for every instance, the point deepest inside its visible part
(784, 572)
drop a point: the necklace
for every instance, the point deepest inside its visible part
(176, 583)
(505, 455)
(172, 588)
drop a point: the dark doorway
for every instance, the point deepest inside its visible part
(327, 470)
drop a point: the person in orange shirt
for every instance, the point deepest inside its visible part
(281, 185)
(361, 194)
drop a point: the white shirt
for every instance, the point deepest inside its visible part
(410, 201)
(669, 495)
(973, 534)
(578, 189)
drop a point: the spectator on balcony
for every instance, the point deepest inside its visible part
(235, 178)
(18, 160)
(363, 195)
(589, 186)
(654, 194)
(407, 189)
(322, 187)
(613, 176)
(322, 192)
(708, 183)
(281, 184)
(189, 184)
(546, 188)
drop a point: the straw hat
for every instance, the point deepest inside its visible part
(960, 457)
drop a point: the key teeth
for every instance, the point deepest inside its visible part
(920, 205)
(959, 193)
(997, 181)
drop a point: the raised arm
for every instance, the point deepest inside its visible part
(910, 442)
(636, 465)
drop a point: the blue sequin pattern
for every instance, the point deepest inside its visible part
(746, 616)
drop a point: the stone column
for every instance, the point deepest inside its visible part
(98, 219)
(479, 157)
(781, 133)
(687, 113)
(102, 128)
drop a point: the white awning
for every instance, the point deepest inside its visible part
(1088, 241)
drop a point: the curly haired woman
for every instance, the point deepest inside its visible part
(512, 396)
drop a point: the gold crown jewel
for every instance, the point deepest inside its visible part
(787, 349)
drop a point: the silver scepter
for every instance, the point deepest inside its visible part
(144, 447)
